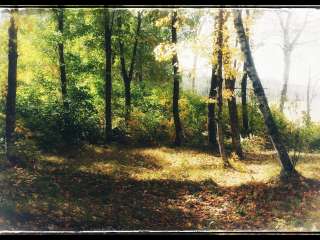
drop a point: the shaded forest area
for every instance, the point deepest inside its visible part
(97, 132)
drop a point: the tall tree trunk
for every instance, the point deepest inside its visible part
(285, 161)
(244, 104)
(12, 89)
(62, 67)
(63, 78)
(244, 83)
(176, 79)
(234, 121)
(127, 77)
(287, 61)
(220, 86)
(108, 22)
(126, 81)
(212, 133)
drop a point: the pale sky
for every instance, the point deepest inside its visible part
(269, 57)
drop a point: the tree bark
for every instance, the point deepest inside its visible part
(244, 104)
(285, 161)
(220, 86)
(62, 65)
(244, 83)
(127, 76)
(212, 133)
(234, 120)
(63, 75)
(176, 80)
(108, 23)
(12, 89)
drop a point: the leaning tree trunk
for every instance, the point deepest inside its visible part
(220, 86)
(244, 83)
(234, 120)
(244, 104)
(287, 61)
(12, 89)
(176, 78)
(285, 161)
(108, 22)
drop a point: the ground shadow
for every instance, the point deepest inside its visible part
(62, 197)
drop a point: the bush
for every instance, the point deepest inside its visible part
(253, 143)
(46, 119)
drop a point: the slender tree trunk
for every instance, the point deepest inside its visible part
(176, 79)
(62, 65)
(285, 161)
(287, 61)
(212, 133)
(12, 89)
(63, 76)
(126, 81)
(220, 86)
(108, 22)
(127, 77)
(234, 120)
(244, 81)
(244, 104)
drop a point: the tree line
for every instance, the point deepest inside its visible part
(224, 74)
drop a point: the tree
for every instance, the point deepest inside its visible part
(221, 20)
(212, 133)
(62, 65)
(108, 24)
(288, 45)
(230, 75)
(244, 105)
(176, 81)
(128, 74)
(273, 132)
(12, 88)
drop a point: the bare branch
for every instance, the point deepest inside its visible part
(281, 21)
(300, 31)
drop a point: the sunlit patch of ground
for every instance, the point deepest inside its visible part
(159, 188)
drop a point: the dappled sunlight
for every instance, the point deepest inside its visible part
(181, 189)
(54, 159)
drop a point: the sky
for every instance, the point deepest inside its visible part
(268, 58)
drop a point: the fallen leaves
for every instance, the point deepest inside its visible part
(156, 189)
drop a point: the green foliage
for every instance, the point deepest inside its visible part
(253, 143)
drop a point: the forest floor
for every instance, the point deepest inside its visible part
(157, 188)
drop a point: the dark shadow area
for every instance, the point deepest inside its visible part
(61, 197)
